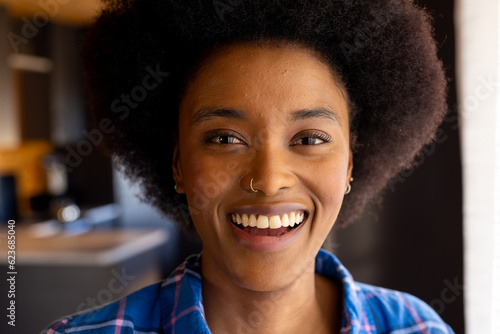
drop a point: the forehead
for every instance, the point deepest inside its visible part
(264, 78)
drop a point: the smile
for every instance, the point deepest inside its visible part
(264, 222)
(265, 229)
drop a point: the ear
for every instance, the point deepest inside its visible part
(177, 171)
(350, 165)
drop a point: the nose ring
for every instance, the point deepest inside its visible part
(251, 186)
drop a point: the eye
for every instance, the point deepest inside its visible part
(222, 137)
(227, 140)
(314, 138)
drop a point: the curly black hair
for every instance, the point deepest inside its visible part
(139, 56)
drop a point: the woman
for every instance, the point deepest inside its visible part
(262, 124)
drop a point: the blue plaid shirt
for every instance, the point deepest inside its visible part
(175, 306)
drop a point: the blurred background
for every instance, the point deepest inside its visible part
(84, 239)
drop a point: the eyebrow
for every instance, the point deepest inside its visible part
(320, 112)
(208, 113)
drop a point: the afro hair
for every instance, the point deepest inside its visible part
(383, 51)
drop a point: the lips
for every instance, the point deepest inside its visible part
(266, 229)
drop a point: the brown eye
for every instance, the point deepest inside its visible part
(311, 139)
(222, 137)
(226, 139)
(308, 141)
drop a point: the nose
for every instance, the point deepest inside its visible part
(271, 171)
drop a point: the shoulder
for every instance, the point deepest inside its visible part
(398, 312)
(173, 304)
(139, 311)
(371, 309)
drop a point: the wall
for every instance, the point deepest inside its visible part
(413, 242)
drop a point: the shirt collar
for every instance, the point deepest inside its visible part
(187, 278)
(329, 266)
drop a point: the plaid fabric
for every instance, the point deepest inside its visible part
(175, 306)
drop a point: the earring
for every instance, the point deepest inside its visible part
(176, 189)
(251, 186)
(348, 190)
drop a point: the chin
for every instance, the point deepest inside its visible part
(267, 272)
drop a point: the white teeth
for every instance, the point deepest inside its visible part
(262, 222)
(292, 219)
(244, 220)
(284, 221)
(274, 222)
(252, 221)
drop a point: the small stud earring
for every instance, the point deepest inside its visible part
(348, 190)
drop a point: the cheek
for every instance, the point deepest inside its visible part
(207, 179)
(329, 188)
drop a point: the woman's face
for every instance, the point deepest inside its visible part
(276, 115)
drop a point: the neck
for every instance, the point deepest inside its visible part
(311, 304)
